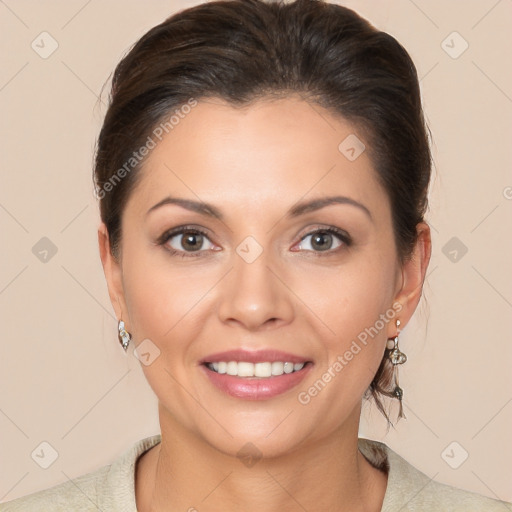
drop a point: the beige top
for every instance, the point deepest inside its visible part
(112, 488)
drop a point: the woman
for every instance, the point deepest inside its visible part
(262, 173)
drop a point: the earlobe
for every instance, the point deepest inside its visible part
(112, 271)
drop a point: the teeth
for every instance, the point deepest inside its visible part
(263, 370)
(277, 368)
(232, 368)
(246, 370)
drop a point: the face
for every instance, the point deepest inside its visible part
(230, 245)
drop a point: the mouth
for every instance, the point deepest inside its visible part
(256, 375)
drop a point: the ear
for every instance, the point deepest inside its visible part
(413, 274)
(113, 274)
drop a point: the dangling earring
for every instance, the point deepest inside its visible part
(124, 336)
(396, 357)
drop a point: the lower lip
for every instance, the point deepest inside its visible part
(250, 388)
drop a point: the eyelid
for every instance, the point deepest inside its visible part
(341, 233)
(179, 230)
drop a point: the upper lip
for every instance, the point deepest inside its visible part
(254, 356)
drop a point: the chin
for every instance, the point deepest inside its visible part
(251, 446)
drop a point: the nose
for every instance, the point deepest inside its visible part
(254, 295)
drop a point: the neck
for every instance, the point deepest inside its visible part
(185, 473)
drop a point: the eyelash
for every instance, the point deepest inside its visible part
(342, 235)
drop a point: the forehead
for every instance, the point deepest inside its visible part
(271, 152)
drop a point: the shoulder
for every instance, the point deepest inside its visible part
(78, 494)
(109, 488)
(410, 490)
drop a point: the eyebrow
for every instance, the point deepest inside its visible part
(299, 209)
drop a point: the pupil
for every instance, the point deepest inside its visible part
(319, 241)
(191, 238)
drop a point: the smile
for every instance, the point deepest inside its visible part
(255, 375)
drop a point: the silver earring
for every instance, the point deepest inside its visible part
(396, 356)
(124, 336)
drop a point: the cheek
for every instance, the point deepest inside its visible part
(354, 300)
(161, 299)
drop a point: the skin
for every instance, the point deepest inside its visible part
(254, 164)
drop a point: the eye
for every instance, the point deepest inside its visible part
(185, 241)
(322, 240)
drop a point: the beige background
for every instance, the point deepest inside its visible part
(64, 378)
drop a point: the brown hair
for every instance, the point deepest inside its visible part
(245, 50)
